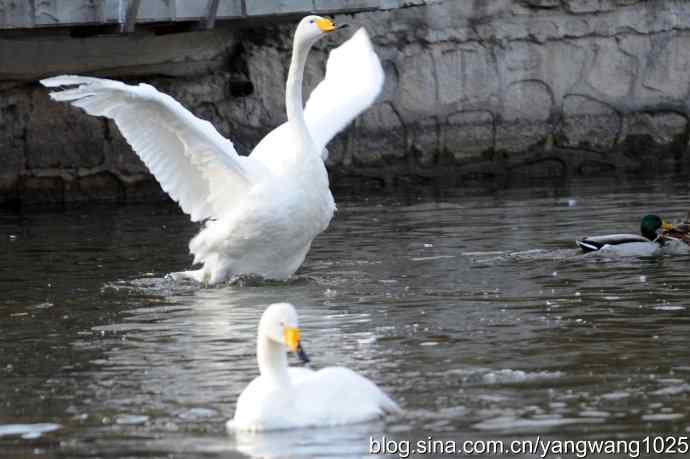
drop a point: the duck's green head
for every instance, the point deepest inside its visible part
(650, 226)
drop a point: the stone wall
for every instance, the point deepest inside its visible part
(474, 89)
(527, 88)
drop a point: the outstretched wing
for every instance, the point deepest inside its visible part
(194, 164)
(353, 81)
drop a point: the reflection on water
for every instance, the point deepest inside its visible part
(472, 309)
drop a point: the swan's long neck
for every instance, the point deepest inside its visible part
(293, 91)
(272, 361)
(307, 159)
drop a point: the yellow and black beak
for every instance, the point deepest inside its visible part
(291, 336)
(293, 344)
(326, 25)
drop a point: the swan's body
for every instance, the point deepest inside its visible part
(262, 212)
(283, 397)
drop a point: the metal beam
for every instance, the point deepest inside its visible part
(131, 16)
(211, 12)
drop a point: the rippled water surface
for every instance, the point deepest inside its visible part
(471, 308)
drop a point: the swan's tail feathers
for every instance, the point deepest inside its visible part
(389, 406)
(204, 245)
(195, 275)
(198, 248)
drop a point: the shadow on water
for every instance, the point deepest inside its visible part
(472, 309)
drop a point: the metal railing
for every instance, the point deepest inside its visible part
(30, 14)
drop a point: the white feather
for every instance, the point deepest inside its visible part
(262, 211)
(631, 249)
(285, 397)
(329, 397)
(193, 163)
(353, 81)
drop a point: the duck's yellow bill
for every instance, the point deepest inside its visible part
(291, 336)
(325, 25)
(666, 226)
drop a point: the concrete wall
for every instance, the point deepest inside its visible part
(534, 87)
(474, 89)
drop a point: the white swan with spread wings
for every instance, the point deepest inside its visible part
(263, 211)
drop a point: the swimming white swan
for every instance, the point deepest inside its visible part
(285, 397)
(263, 211)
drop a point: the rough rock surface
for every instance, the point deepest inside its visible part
(489, 88)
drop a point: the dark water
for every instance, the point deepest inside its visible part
(471, 308)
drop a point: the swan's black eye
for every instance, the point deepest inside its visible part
(311, 22)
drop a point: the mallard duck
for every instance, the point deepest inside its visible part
(284, 397)
(261, 212)
(653, 234)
